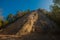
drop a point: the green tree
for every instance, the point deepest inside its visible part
(10, 18)
(56, 2)
(6, 22)
(28, 11)
(19, 14)
(55, 10)
(1, 23)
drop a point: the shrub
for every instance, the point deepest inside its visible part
(1, 24)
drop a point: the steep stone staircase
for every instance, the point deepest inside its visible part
(33, 26)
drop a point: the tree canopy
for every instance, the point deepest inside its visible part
(57, 2)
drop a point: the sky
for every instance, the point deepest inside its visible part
(12, 6)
